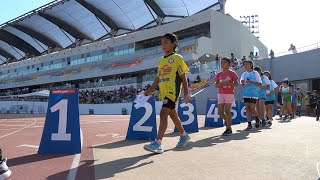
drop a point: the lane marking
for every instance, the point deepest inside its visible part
(35, 121)
(75, 163)
(28, 145)
(114, 135)
(318, 163)
(12, 125)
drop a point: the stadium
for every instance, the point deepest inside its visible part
(109, 50)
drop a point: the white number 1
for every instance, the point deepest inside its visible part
(62, 107)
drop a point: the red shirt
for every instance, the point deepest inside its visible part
(229, 76)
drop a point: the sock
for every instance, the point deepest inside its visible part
(183, 134)
(158, 141)
(257, 118)
(249, 123)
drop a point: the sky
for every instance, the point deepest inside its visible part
(281, 22)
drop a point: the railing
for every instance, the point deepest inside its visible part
(300, 49)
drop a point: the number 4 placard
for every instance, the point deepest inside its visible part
(142, 125)
(61, 132)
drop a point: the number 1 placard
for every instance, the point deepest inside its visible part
(61, 132)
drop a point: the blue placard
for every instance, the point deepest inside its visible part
(212, 116)
(235, 113)
(142, 125)
(188, 115)
(243, 113)
(61, 132)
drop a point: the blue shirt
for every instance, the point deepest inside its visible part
(265, 82)
(271, 89)
(250, 90)
(294, 96)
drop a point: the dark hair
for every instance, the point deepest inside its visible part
(315, 91)
(270, 78)
(298, 88)
(258, 69)
(226, 59)
(248, 61)
(308, 92)
(173, 38)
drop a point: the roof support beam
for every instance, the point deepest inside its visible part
(40, 37)
(6, 54)
(18, 43)
(217, 3)
(156, 8)
(106, 19)
(66, 27)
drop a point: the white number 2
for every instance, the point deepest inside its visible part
(188, 113)
(62, 107)
(138, 126)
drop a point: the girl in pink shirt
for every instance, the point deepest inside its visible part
(226, 80)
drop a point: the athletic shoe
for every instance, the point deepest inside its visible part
(269, 123)
(227, 132)
(154, 147)
(249, 127)
(4, 170)
(264, 122)
(258, 124)
(285, 117)
(183, 141)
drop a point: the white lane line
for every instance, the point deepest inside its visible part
(318, 163)
(75, 163)
(114, 135)
(28, 145)
(35, 121)
(96, 122)
(12, 125)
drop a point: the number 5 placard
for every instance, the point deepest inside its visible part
(61, 132)
(142, 125)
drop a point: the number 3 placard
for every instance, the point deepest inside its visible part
(61, 132)
(188, 115)
(142, 125)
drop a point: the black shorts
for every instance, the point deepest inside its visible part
(268, 102)
(168, 103)
(250, 100)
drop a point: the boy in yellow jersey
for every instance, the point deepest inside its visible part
(171, 78)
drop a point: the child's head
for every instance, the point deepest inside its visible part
(285, 82)
(258, 69)
(169, 43)
(248, 65)
(225, 63)
(315, 92)
(268, 74)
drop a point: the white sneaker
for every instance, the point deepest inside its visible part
(4, 170)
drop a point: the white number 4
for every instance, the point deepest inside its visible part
(62, 107)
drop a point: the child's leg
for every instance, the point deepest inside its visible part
(261, 108)
(248, 112)
(228, 115)
(163, 122)
(176, 121)
(221, 112)
(253, 109)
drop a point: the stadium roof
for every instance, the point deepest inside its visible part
(65, 23)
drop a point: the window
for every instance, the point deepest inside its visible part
(28, 67)
(42, 64)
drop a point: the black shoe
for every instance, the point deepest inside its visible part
(227, 132)
(258, 123)
(269, 122)
(263, 123)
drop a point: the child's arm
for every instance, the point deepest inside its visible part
(185, 88)
(152, 87)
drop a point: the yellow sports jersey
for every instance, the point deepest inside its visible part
(170, 69)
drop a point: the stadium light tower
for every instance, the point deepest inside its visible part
(252, 23)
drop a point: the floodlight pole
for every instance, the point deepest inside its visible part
(252, 23)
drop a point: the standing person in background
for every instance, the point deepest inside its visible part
(251, 81)
(251, 56)
(286, 96)
(257, 57)
(299, 101)
(226, 80)
(4, 170)
(217, 59)
(293, 49)
(294, 100)
(271, 54)
(307, 101)
(313, 102)
(270, 98)
(265, 85)
(171, 78)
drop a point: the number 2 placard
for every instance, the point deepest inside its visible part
(61, 132)
(142, 125)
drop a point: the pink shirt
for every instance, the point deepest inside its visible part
(229, 76)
